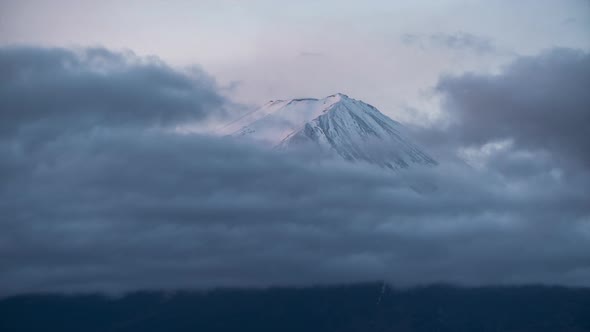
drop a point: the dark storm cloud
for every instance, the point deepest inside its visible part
(540, 102)
(458, 41)
(128, 210)
(129, 207)
(61, 89)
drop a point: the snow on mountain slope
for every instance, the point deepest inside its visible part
(336, 124)
(279, 118)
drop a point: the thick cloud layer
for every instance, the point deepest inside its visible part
(117, 208)
(541, 103)
(52, 90)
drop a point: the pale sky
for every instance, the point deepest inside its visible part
(387, 53)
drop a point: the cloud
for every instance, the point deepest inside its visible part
(459, 41)
(310, 54)
(89, 88)
(119, 208)
(538, 102)
(569, 20)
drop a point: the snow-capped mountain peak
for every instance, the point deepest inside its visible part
(278, 118)
(337, 124)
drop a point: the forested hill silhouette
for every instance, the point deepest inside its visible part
(360, 307)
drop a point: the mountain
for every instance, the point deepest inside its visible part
(337, 124)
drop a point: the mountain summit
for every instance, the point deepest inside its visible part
(350, 128)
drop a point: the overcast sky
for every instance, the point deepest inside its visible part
(387, 53)
(101, 192)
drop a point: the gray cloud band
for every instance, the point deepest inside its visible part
(540, 102)
(101, 206)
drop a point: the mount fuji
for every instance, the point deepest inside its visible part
(336, 124)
